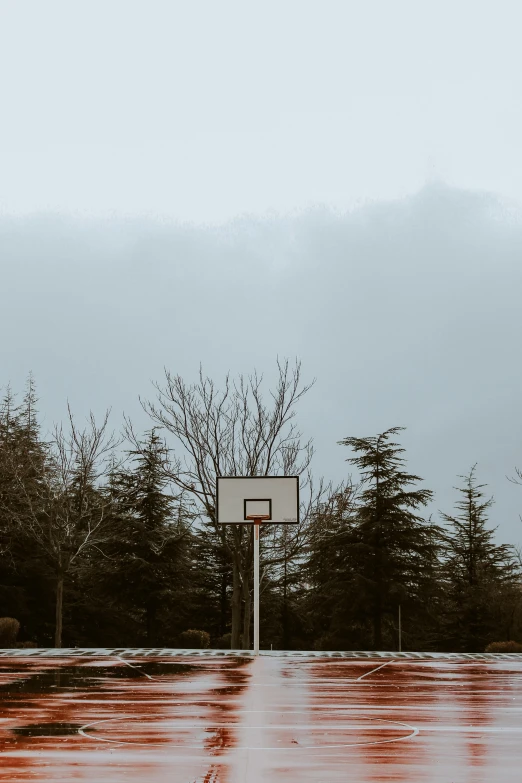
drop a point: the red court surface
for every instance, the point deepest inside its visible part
(233, 719)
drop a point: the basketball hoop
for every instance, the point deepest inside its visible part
(252, 500)
(257, 519)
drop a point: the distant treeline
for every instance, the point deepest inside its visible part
(112, 541)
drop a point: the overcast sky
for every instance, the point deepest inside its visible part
(205, 110)
(355, 168)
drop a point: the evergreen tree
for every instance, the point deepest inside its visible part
(24, 579)
(286, 576)
(336, 610)
(392, 548)
(481, 577)
(8, 415)
(210, 584)
(11, 599)
(114, 557)
(149, 562)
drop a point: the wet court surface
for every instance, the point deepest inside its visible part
(233, 719)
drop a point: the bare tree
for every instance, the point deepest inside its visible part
(518, 480)
(66, 515)
(232, 432)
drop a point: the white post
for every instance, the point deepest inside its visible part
(400, 629)
(256, 588)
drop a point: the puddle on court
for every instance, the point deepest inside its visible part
(48, 729)
(139, 709)
(232, 720)
(83, 677)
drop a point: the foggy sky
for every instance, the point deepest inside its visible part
(407, 312)
(204, 110)
(225, 183)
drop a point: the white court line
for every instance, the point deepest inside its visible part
(372, 671)
(414, 731)
(133, 667)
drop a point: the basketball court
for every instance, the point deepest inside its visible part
(187, 716)
(158, 716)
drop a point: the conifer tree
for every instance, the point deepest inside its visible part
(480, 576)
(393, 547)
(7, 500)
(150, 551)
(336, 610)
(23, 469)
(210, 583)
(7, 485)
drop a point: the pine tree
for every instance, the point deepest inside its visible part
(98, 616)
(393, 549)
(8, 492)
(8, 414)
(480, 576)
(282, 560)
(150, 552)
(331, 599)
(208, 595)
(23, 470)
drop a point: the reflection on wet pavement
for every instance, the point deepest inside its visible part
(237, 720)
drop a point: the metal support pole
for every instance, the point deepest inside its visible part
(256, 588)
(400, 629)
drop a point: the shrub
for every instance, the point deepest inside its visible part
(26, 645)
(504, 647)
(223, 643)
(9, 628)
(327, 642)
(194, 640)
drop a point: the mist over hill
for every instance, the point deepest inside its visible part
(407, 313)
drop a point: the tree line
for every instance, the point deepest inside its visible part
(111, 539)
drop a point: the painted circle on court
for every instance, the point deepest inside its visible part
(337, 731)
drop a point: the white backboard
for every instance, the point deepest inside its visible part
(238, 497)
